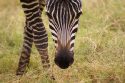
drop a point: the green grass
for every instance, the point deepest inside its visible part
(99, 46)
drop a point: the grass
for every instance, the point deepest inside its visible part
(99, 47)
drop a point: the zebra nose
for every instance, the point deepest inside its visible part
(64, 61)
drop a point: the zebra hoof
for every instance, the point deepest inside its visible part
(19, 73)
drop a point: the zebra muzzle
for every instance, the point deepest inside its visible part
(64, 59)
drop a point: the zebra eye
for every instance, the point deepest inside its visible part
(78, 15)
(49, 15)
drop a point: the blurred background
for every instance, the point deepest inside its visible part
(99, 46)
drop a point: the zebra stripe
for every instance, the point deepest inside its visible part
(63, 22)
(34, 32)
(63, 19)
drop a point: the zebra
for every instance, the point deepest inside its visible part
(63, 22)
(34, 32)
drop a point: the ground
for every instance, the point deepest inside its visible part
(99, 46)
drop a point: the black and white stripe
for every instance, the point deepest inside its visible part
(63, 21)
(34, 32)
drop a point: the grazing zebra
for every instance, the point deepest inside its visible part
(63, 21)
(34, 31)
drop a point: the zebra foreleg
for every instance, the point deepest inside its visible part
(26, 51)
(41, 42)
(41, 5)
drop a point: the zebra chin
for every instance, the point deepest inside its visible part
(64, 58)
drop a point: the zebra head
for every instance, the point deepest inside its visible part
(63, 21)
